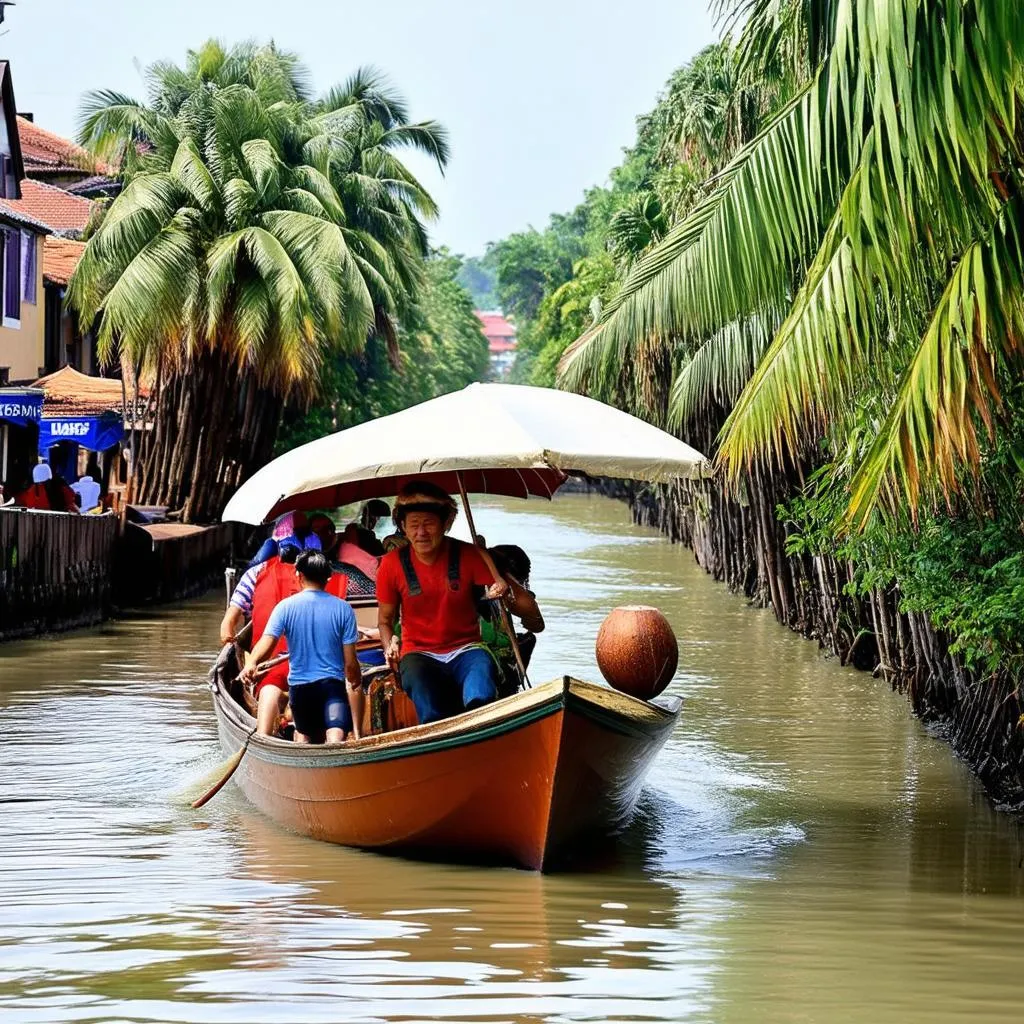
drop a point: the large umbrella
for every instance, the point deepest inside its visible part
(487, 439)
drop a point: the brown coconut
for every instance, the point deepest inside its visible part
(637, 651)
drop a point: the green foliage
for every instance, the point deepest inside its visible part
(255, 221)
(874, 217)
(961, 565)
(566, 313)
(479, 276)
(819, 228)
(441, 349)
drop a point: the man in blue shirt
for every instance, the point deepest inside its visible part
(321, 632)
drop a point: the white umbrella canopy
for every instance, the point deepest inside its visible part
(499, 438)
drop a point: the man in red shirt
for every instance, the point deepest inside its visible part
(444, 666)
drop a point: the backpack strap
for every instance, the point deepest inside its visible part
(454, 563)
(411, 580)
(454, 568)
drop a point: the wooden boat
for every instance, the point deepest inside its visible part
(522, 781)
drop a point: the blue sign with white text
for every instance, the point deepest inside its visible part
(95, 433)
(21, 407)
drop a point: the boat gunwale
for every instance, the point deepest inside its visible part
(468, 728)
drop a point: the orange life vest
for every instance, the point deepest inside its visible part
(278, 581)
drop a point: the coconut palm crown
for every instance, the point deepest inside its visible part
(258, 230)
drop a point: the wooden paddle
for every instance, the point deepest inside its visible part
(227, 769)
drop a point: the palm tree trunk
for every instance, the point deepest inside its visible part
(213, 427)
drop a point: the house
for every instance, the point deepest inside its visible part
(65, 215)
(501, 342)
(60, 162)
(66, 345)
(22, 324)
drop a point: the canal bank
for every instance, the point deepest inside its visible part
(796, 858)
(745, 545)
(62, 571)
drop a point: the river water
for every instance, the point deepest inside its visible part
(804, 852)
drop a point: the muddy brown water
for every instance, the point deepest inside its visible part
(804, 851)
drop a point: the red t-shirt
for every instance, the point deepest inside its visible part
(439, 619)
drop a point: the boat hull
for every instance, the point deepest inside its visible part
(521, 781)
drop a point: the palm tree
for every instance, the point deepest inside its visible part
(259, 231)
(874, 224)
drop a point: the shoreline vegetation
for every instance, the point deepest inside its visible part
(266, 264)
(810, 265)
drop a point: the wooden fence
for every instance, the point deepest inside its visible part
(57, 570)
(170, 561)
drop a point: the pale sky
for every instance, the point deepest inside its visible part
(539, 96)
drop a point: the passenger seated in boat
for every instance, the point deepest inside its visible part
(352, 554)
(362, 533)
(359, 568)
(287, 529)
(277, 581)
(324, 678)
(514, 565)
(430, 583)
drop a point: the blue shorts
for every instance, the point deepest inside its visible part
(319, 706)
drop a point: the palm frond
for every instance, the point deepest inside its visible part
(717, 372)
(733, 255)
(930, 434)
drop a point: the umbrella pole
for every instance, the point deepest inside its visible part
(506, 619)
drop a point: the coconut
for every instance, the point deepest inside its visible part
(637, 651)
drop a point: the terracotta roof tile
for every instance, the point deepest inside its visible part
(11, 214)
(52, 206)
(60, 257)
(44, 152)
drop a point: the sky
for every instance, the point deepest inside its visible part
(539, 96)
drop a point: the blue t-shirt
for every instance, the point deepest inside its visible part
(316, 625)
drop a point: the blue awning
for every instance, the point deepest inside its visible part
(97, 433)
(21, 406)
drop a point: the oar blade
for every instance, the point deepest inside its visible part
(221, 774)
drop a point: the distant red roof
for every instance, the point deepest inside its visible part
(46, 153)
(52, 206)
(500, 334)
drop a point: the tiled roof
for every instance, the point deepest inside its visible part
(52, 206)
(96, 186)
(60, 257)
(44, 152)
(500, 334)
(496, 326)
(11, 214)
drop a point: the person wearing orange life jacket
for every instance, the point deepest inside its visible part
(239, 610)
(278, 581)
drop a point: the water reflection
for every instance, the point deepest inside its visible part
(804, 852)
